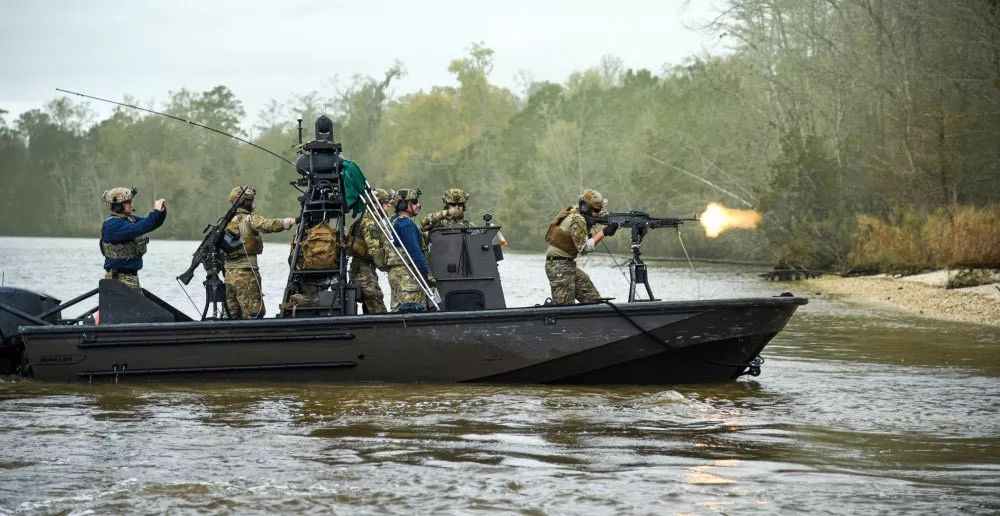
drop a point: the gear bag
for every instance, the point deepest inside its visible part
(319, 250)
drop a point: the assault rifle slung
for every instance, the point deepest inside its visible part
(211, 253)
(639, 222)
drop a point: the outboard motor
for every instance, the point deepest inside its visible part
(13, 303)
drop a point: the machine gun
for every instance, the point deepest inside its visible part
(639, 222)
(212, 254)
(636, 219)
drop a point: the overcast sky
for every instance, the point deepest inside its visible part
(274, 49)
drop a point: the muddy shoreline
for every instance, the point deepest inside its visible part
(923, 294)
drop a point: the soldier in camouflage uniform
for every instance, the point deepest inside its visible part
(123, 235)
(569, 236)
(452, 215)
(243, 296)
(366, 243)
(406, 289)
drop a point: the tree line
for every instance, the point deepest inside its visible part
(831, 117)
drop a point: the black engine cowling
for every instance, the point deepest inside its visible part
(30, 303)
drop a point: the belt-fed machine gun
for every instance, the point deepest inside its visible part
(639, 222)
(212, 254)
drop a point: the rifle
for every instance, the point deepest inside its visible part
(640, 222)
(215, 241)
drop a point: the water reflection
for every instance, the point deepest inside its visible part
(856, 411)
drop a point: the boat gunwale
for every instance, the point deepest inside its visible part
(424, 318)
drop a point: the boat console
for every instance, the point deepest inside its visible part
(464, 261)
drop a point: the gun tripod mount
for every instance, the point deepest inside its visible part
(215, 288)
(636, 267)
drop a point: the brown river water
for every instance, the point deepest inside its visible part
(858, 411)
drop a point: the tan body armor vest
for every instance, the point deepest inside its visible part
(558, 234)
(252, 243)
(128, 250)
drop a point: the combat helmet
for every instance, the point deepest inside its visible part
(118, 195)
(593, 199)
(403, 195)
(382, 195)
(454, 196)
(249, 195)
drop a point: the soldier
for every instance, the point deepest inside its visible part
(405, 288)
(366, 244)
(243, 296)
(569, 236)
(123, 240)
(453, 213)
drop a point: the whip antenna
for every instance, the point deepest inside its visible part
(186, 121)
(690, 263)
(607, 250)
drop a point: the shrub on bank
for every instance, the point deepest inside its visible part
(909, 241)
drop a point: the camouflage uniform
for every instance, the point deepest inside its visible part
(362, 270)
(131, 280)
(569, 283)
(442, 219)
(406, 289)
(243, 296)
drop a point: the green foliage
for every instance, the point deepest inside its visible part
(824, 109)
(806, 206)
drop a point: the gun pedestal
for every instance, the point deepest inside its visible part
(215, 288)
(640, 222)
(636, 268)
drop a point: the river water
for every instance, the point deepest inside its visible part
(858, 411)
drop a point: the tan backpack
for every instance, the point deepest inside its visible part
(319, 249)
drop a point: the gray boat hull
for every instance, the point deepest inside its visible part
(654, 343)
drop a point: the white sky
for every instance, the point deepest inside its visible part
(274, 49)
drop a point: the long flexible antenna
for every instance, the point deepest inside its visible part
(690, 263)
(196, 124)
(607, 250)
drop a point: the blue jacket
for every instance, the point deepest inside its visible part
(117, 229)
(409, 233)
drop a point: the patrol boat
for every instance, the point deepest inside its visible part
(468, 334)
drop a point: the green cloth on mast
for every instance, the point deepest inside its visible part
(354, 185)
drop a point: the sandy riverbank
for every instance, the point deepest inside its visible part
(923, 294)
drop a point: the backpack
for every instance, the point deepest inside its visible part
(319, 250)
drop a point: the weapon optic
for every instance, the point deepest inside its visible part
(211, 254)
(639, 222)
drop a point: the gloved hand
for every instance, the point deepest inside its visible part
(289, 222)
(610, 229)
(454, 213)
(431, 281)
